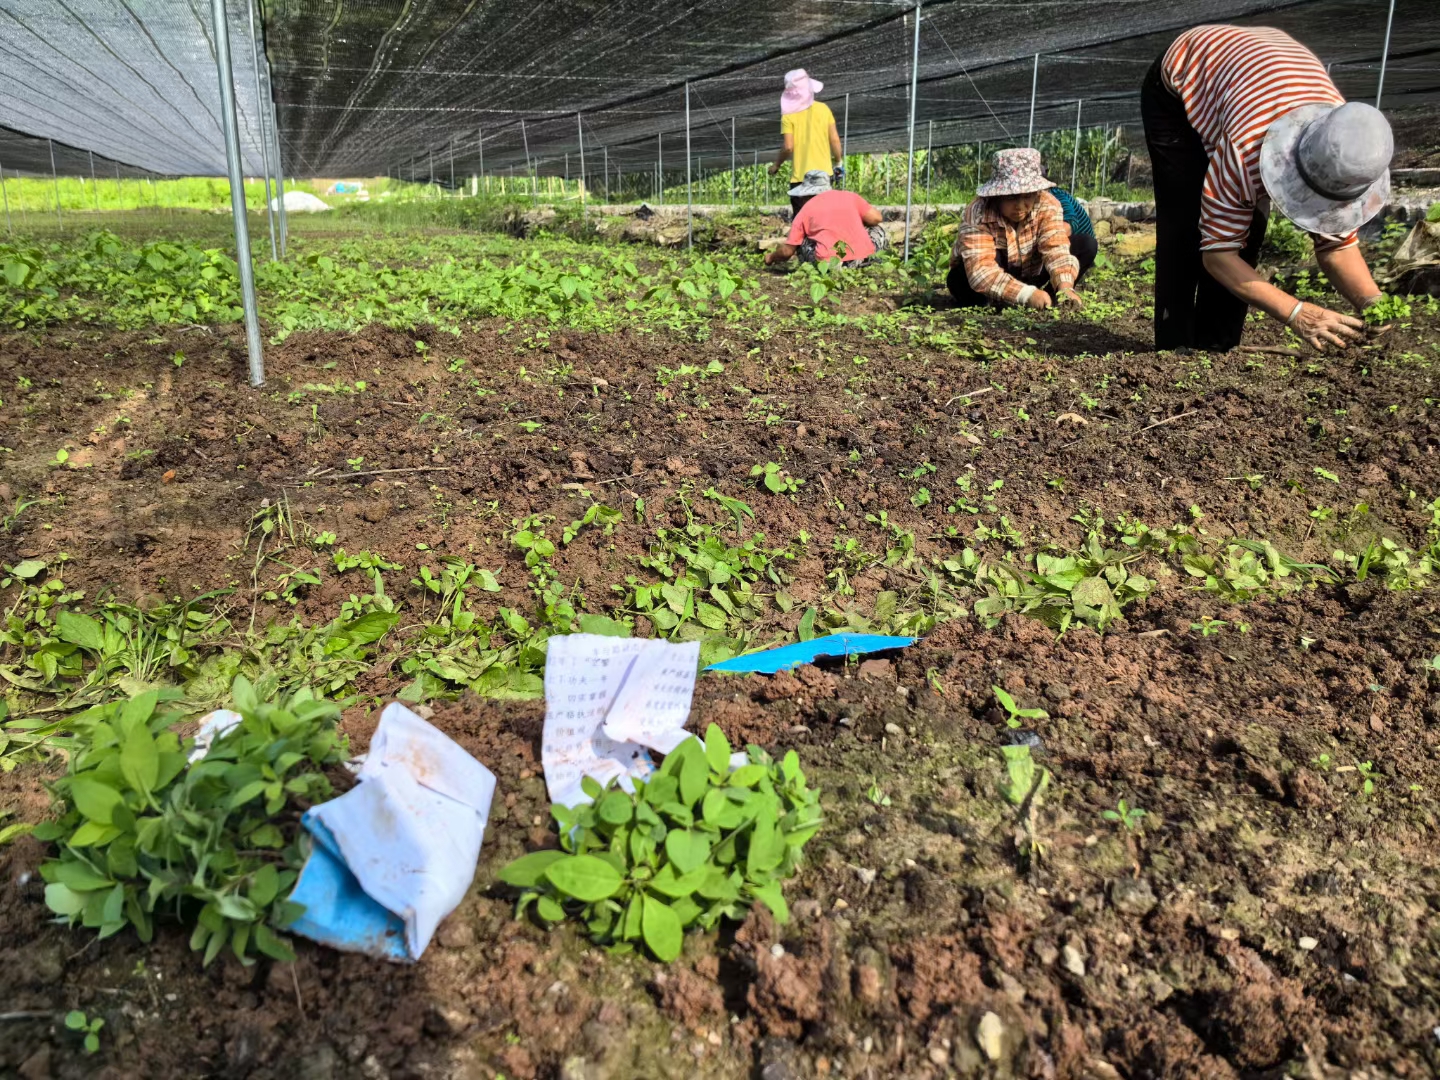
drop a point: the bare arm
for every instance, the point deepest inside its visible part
(780, 253)
(835, 144)
(786, 150)
(1347, 271)
(871, 217)
(1317, 325)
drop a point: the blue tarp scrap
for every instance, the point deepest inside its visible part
(770, 661)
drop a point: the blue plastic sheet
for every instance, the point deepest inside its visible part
(786, 657)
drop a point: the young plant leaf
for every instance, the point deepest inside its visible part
(584, 877)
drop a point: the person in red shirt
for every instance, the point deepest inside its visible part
(1238, 118)
(827, 220)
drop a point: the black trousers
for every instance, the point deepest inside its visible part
(796, 202)
(1082, 247)
(1192, 309)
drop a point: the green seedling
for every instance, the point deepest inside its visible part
(139, 834)
(1208, 626)
(696, 842)
(1024, 779)
(1366, 770)
(76, 1020)
(775, 479)
(1127, 816)
(1322, 762)
(876, 796)
(1013, 713)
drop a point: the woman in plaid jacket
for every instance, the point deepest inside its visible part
(1014, 246)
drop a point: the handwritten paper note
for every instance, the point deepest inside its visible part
(608, 701)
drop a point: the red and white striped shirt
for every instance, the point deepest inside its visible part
(1235, 81)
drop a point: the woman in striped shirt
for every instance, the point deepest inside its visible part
(1237, 117)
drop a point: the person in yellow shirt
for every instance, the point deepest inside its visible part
(807, 126)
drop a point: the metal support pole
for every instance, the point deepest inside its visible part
(580, 134)
(534, 181)
(910, 153)
(480, 146)
(1104, 158)
(94, 187)
(452, 164)
(55, 179)
(659, 169)
(260, 110)
(237, 192)
(1034, 84)
(732, 162)
(5, 192)
(979, 156)
(1385, 54)
(1075, 160)
(845, 133)
(929, 163)
(605, 169)
(277, 161)
(689, 199)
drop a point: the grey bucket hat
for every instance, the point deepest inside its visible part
(1327, 167)
(814, 183)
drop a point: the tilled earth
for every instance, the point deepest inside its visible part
(1269, 918)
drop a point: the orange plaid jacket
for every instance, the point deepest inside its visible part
(1040, 243)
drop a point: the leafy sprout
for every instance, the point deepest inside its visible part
(1013, 713)
(695, 842)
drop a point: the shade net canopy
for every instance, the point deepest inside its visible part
(406, 87)
(132, 80)
(427, 89)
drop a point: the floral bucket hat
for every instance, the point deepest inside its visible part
(1016, 172)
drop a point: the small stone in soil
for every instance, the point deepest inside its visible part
(1074, 962)
(894, 730)
(1133, 896)
(777, 950)
(1307, 943)
(990, 1036)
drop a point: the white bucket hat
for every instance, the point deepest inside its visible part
(1327, 167)
(814, 183)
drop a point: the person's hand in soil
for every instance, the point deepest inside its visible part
(1039, 300)
(1319, 326)
(1070, 298)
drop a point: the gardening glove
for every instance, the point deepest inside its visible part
(1319, 326)
(837, 179)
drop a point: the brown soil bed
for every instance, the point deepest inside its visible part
(1269, 919)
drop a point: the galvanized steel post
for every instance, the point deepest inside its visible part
(1385, 54)
(845, 133)
(929, 164)
(55, 179)
(689, 199)
(580, 134)
(910, 153)
(237, 192)
(534, 180)
(732, 161)
(1034, 85)
(260, 116)
(660, 168)
(1075, 160)
(277, 161)
(5, 192)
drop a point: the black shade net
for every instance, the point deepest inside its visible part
(379, 90)
(133, 80)
(427, 89)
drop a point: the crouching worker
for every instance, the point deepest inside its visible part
(827, 220)
(1014, 246)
